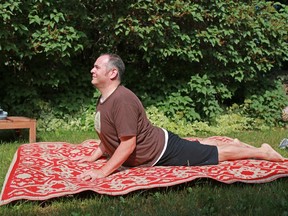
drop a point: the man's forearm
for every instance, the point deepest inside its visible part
(121, 154)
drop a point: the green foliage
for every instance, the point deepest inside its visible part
(229, 123)
(177, 124)
(267, 106)
(199, 98)
(207, 95)
(218, 33)
(191, 60)
(212, 48)
(178, 105)
(49, 38)
(32, 27)
(39, 40)
(223, 124)
(82, 120)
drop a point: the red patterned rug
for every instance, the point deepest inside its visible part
(40, 171)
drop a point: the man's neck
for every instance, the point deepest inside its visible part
(106, 92)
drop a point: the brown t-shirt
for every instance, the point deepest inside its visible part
(122, 114)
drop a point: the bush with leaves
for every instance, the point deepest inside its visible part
(268, 105)
(223, 124)
(39, 42)
(210, 50)
(191, 59)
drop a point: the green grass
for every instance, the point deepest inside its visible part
(199, 197)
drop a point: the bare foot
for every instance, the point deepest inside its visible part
(272, 155)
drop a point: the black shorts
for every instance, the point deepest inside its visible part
(182, 152)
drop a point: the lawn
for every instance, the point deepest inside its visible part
(200, 197)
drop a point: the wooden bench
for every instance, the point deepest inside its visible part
(19, 122)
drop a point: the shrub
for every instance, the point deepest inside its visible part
(80, 121)
(267, 104)
(191, 59)
(223, 124)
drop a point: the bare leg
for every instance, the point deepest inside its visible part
(237, 152)
(236, 142)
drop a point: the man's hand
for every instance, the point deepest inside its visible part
(92, 175)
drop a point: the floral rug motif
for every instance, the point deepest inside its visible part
(44, 170)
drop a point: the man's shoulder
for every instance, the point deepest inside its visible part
(125, 95)
(126, 91)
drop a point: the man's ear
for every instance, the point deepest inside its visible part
(114, 73)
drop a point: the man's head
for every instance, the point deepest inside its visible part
(114, 61)
(107, 68)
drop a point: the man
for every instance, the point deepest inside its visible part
(131, 140)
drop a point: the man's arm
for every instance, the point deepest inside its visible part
(121, 154)
(95, 155)
(124, 150)
(98, 153)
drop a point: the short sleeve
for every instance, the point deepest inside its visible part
(126, 118)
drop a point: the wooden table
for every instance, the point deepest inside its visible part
(19, 122)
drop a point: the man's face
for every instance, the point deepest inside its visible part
(99, 71)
